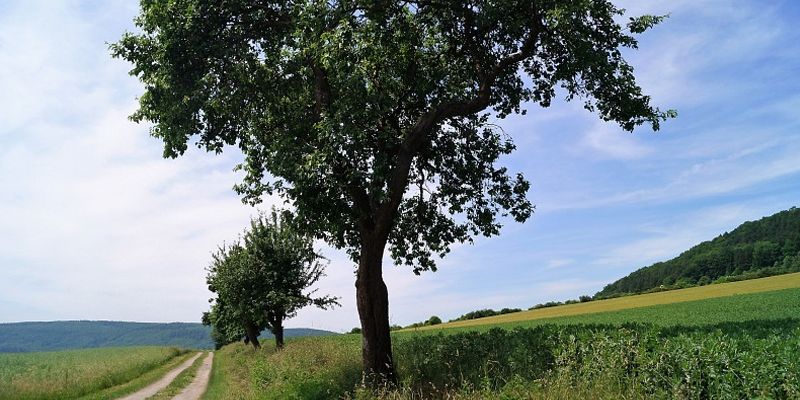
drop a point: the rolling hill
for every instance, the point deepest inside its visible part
(63, 335)
(769, 246)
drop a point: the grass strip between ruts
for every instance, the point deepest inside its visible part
(139, 382)
(181, 381)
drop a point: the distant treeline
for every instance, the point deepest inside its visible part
(63, 335)
(485, 313)
(769, 246)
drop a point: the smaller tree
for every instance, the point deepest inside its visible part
(434, 320)
(224, 330)
(264, 280)
(234, 313)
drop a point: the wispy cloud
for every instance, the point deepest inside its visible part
(610, 141)
(664, 238)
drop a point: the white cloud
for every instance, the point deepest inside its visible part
(686, 60)
(663, 239)
(94, 223)
(743, 164)
(609, 140)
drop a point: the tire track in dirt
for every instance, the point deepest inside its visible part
(160, 384)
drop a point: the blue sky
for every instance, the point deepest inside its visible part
(95, 225)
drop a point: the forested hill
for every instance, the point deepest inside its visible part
(62, 335)
(768, 246)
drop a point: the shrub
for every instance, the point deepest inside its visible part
(545, 305)
(431, 363)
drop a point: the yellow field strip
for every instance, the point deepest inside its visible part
(771, 283)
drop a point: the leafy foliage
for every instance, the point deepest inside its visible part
(682, 363)
(770, 245)
(373, 117)
(433, 320)
(263, 281)
(485, 313)
(342, 106)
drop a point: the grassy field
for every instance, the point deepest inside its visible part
(772, 283)
(751, 327)
(723, 346)
(74, 374)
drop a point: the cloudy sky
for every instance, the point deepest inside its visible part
(94, 224)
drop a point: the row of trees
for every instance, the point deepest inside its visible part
(262, 279)
(485, 313)
(376, 119)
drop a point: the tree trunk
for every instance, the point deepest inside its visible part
(277, 331)
(252, 334)
(372, 299)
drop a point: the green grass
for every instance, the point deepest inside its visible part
(72, 374)
(232, 369)
(740, 346)
(181, 381)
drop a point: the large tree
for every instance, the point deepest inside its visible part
(263, 281)
(375, 118)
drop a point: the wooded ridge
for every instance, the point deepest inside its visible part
(769, 246)
(63, 335)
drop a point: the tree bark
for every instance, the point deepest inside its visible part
(277, 331)
(252, 334)
(372, 299)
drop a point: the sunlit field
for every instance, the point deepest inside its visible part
(71, 374)
(740, 346)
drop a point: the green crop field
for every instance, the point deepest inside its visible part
(730, 347)
(72, 374)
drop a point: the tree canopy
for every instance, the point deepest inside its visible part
(375, 118)
(334, 103)
(263, 280)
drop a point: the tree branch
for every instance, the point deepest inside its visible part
(417, 134)
(322, 91)
(356, 192)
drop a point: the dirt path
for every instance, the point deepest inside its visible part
(200, 382)
(154, 387)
